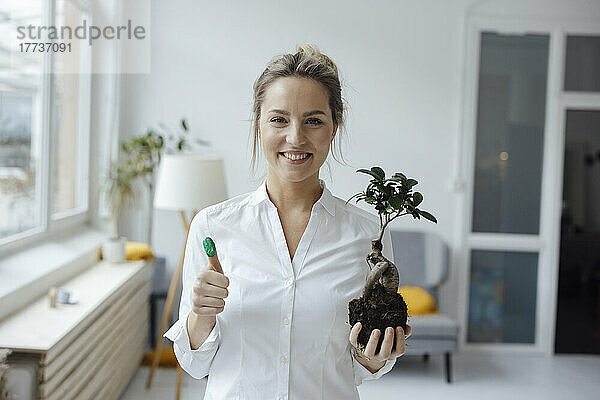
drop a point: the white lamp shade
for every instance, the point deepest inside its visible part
(189, 182)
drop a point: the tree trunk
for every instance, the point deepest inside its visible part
(381, 269)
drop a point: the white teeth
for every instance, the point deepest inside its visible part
(295, 156)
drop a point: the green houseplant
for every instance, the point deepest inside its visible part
(143, 155)
(140, 157)
(381, 305)
(4, 369)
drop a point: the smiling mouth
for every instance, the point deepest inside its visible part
(296, 160)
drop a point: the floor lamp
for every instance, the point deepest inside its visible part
(184, 182)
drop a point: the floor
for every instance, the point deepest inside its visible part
(475, 377)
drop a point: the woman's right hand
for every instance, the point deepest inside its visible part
(210, 289)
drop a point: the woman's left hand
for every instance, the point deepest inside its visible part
(385, 353)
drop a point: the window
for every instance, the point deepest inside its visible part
(582, 64)
(44, 122)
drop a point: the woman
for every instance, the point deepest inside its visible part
(267, 317)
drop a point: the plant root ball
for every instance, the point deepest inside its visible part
(380, 310)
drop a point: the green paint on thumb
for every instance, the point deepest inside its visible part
(209, 246)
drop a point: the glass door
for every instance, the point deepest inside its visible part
(503, 239)
(577, 327)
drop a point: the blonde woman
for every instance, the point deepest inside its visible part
(267, 316)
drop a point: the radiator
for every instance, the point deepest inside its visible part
(89, 350)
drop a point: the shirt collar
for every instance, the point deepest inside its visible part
(326, 199)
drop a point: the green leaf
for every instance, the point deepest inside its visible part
(366, 171)
(427, 215)
(357, 194)
(418, 198)
(396, 202)
(379, 173)
(184, 124)
(411, 182)
(180, 145)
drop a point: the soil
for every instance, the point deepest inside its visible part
(378, 311)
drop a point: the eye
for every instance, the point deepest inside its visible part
(316, 121)
(278, 120)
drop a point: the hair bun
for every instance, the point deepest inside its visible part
(312, 49)
(308, 48)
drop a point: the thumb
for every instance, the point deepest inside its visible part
(211, 252)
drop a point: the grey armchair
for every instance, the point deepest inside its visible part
(422, 260)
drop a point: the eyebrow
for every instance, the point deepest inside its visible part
(306, 114)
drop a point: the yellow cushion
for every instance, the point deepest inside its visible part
(418, 300)
(138, 251)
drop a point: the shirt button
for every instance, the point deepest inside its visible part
(286, 321)
(289, 282)
(283, 359)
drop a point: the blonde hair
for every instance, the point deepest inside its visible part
(307, 62)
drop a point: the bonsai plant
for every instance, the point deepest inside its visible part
(381, 305)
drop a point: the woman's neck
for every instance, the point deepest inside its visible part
(296, 197)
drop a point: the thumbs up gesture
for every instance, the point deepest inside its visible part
(210, 288)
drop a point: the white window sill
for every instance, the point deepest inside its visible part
(28, 274)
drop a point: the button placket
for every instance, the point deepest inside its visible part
(285, 339)
(287, 302)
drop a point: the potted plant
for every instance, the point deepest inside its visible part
(144, 154)
(381, 305)
(4, 370)
(119, 188)
(141, 156)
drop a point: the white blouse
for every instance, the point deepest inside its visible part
(284, 331)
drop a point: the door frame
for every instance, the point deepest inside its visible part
(547, 243)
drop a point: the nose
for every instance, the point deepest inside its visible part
(295, 135)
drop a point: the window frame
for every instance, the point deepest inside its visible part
(53, 225)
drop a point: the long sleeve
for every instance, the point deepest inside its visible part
(195, 362)
(360, 372)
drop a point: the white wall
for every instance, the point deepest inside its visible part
(400, 63)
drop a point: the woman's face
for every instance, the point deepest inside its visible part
(296, 122)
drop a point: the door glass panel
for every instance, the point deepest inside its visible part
(582, 69)
(578, 303)
(502, 297)
(510, 133)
